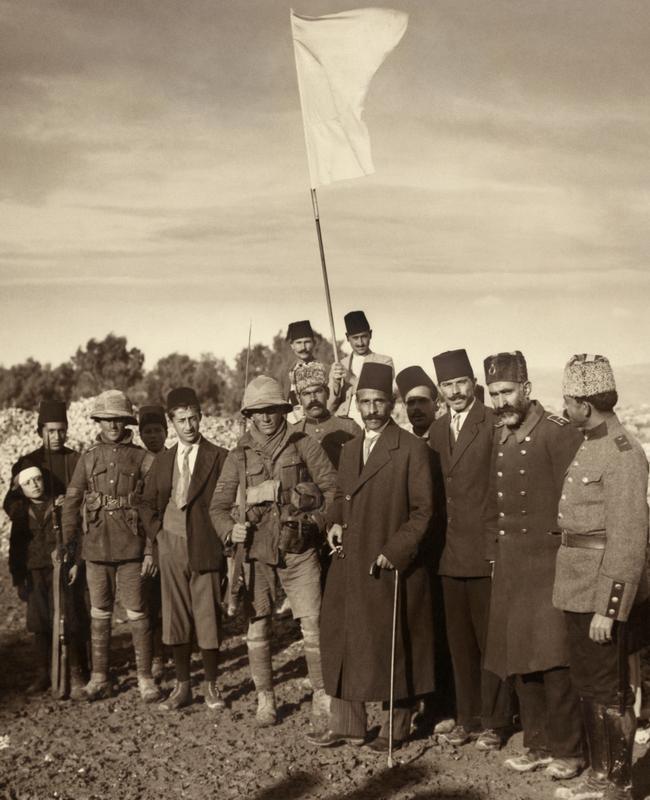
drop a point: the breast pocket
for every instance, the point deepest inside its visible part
(126, 481)
(591, 486)
(292, 473)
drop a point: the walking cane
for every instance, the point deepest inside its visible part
(392, 674)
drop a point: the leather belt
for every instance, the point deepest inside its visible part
(590, 541)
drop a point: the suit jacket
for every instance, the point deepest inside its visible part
(384, 506)
(466, 476)
(204, 547)
(339, 401)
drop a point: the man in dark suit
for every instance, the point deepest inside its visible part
(462, 438)
(175, 514)
(381, 518)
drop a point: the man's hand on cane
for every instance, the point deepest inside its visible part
(383, 563)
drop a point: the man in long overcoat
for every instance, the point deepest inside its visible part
(381, 517)
(527, 636)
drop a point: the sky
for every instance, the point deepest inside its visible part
(154, 182)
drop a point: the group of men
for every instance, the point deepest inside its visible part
(528, 528)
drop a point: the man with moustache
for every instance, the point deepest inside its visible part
(419, 395)
(330, 431)
(175, 515)
(381, 518)
(274, 468)
(527, 636)
(345, 373)
(600, 578)
(462, 438)
(57, 463)
(103, 494)
(302, 341)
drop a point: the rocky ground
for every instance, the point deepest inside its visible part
(123, 750)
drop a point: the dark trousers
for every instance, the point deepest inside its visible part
(598, 671)
(483, 700)
(550, 713)
(348, 718)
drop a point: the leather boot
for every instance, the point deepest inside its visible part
(595, 784)
(180, 697)
(142, 644)
(620, 736)
(99, 686)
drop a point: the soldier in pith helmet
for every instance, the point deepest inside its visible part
(527, 635)
(104, 494)
(600, 580)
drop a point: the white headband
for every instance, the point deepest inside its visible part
(27, 473)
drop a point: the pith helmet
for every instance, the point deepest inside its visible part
(113, 404)
(263, 392)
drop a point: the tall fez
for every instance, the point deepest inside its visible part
(182, 397)
(376, 376)
(413, 378)
(356, 322)
(452, 364)
(299, 330)
(52, 411)
(509, 367)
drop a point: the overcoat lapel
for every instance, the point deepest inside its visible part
(204, 461)
(379, 456)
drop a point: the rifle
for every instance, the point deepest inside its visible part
(60, 669)
(237, 577)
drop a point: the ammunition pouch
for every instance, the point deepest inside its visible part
(298, 531)
(94, 502)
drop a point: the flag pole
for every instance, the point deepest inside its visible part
(321, 249)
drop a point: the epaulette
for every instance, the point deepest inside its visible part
(557, 420)
(622, 442)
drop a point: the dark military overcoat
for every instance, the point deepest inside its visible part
(526, 632)
(384, 506)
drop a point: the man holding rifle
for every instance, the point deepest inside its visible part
(380, 520)
(284, 481)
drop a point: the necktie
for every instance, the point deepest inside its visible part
(456, 426)
(184, 480)
(368, 444)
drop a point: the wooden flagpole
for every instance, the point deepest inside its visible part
(321, 249)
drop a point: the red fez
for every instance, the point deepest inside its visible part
(179, 398)
(376, 376)
(452, 364)
(52, 411)
(300, 330)
(356, 322)
(411, 377)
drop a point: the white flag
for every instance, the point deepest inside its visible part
(336, 57)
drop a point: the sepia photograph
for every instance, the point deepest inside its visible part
(324, 399)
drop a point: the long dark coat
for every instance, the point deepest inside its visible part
(204, 548)
(526, 633)
(384, 507)
(466, 474)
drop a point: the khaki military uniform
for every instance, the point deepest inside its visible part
(331, 433)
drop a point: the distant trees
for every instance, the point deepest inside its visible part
(110, 364)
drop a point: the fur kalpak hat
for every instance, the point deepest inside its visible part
(506, 367)
(376, 376)
(586, 375)
(300, 330)
(413, 378)
(312, 374)
(452, 364)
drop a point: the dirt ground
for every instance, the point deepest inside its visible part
(123, 750)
